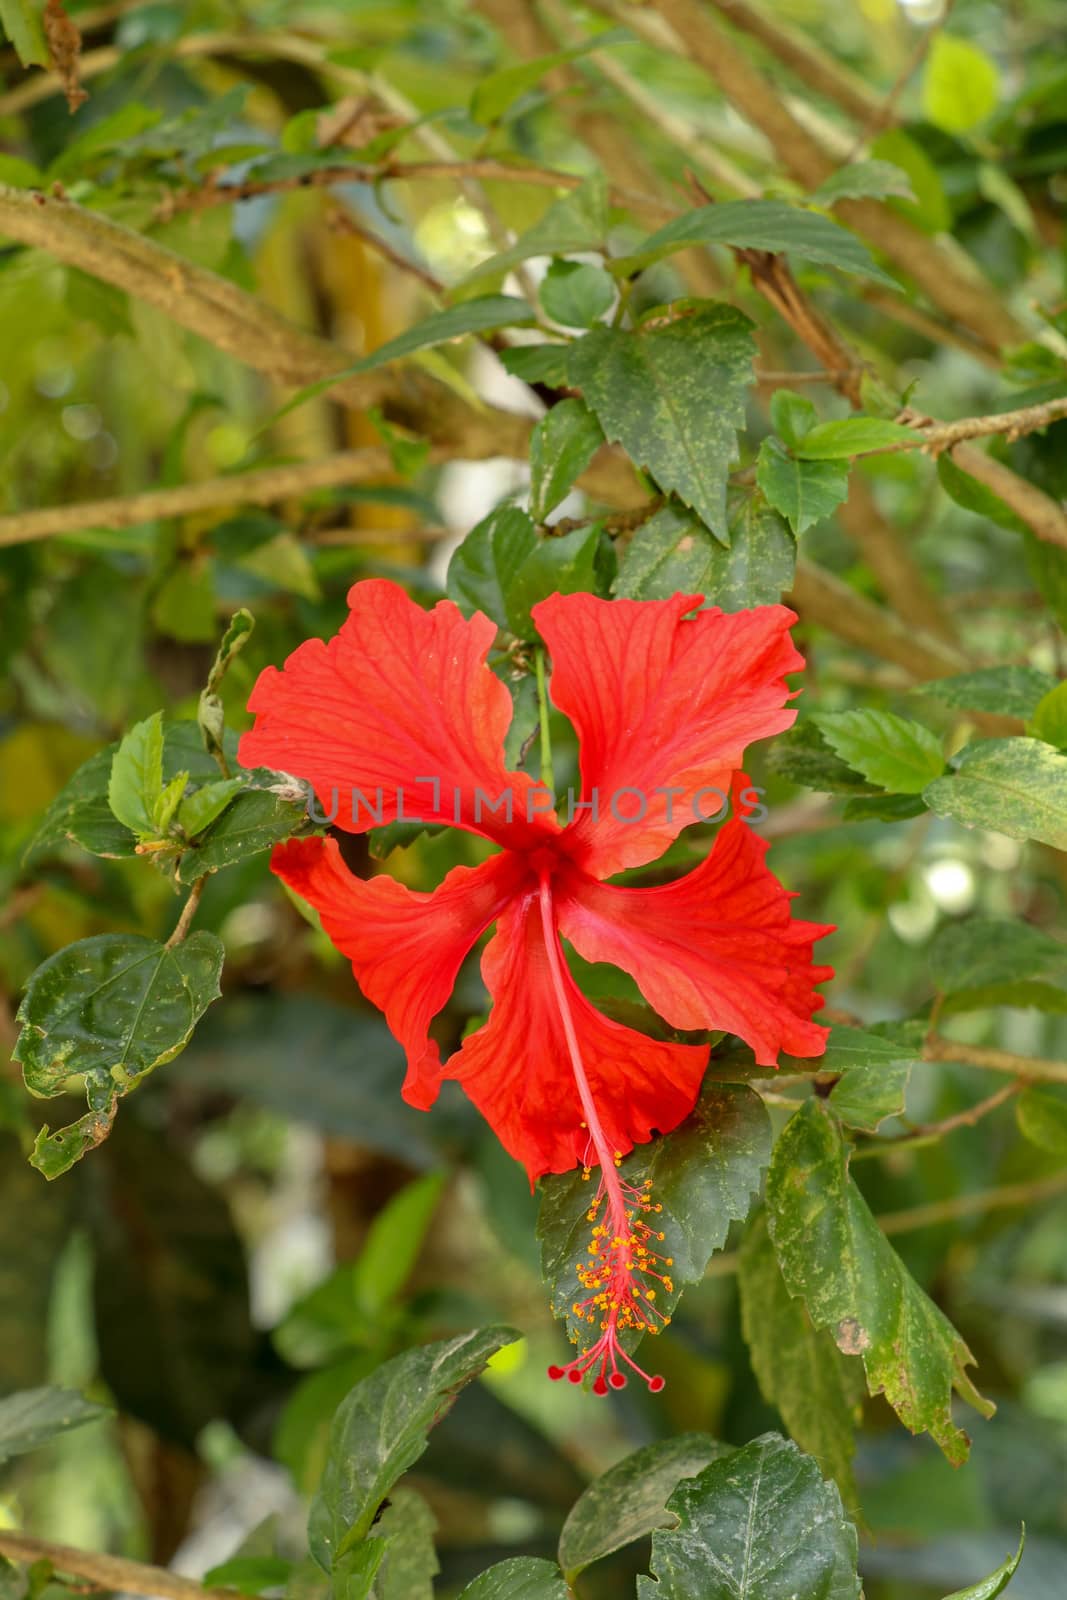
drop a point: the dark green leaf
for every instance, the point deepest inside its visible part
(1047, 565)
(899, 755)
(833, 1253)
(760, 563)
(21, 20)
(799, 1368)
(136, 781)
(31, 1417)
(577, 222)
(627, 1502)
(793, 415)
(703, 1175)
(865, 1096)
(993, 961)
(1049, 719)
(380, 1431)
(407, 1526)
(883, 808)
(803, 491)
(111, 1008)
(253, 821)
(577, 294)
(563, 444)
(1012, 786)
(564, 564)
(761, 1524)
(669, 554)
(761, 225)
(537, 363)
(674, 396)
(803, 756)
(497, 92)
(974, 496)
(31, 1259)
(997, 1581)
(852, 436)
(520, 1578)
(484, 567)
(864, 180)
(1004, 691)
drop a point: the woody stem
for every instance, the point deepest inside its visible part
(604, 1152)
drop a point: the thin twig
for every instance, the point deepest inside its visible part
(885, 115)
(185, 921)
(1028, 1069)
(107, 1573)
(939, 436)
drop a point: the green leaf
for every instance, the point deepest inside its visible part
(21, 21)
(703, 1175)
(576, 294)
(897, 754)
(564, 564)
(198, 811)
(674, 396)
(497, 92)
(520, 1578)
(577, 222)
(793, 415)
(484, 567)
(883, 808)
(380, 1431)
(833, 1253)
(803, 756)
(113, 1008)
(993, 961)
(393, 1243)
(974, 496)
(931, 210)
(760, 563)
(852, 436)
(407, 1527)
(168, 804)
(864, 180)
(1042, 1118)
(253, 821)
(803, 491)
(563, 444)
(1049, 719)
(250, 1574)
(798, 1367)
(1047, 565)
(136, 782)
(31, 1417)
(997, 1581)
(481, 315)
(760, 225)
(961, 84)
(627, 1502)
(761, 1524)
(1003, 691)
(537, 363)
(1012, 786)
(865, 1096)
(669, 554)
(183, 607)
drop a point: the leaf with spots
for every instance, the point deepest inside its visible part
(109, 1009)
(833, 1254)
(673, 395)
(760, 1524)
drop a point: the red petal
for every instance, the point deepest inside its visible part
(405, 948)
(518, 1072)
(399, 698)
(716, 949)
(660, 703)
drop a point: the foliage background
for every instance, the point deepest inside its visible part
(170, 1272)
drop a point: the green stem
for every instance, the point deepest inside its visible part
(547, 775)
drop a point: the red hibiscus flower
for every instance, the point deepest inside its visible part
(399, 716)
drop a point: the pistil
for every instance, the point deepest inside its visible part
(621, 1270)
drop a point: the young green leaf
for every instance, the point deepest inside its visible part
(961, 84)
(674, 397)
(798, 1367)
(168, 803)
(852, 436)
(252, 821)
(703, 1174)
(761, 1524)
(136, 783)
(577, 294)
(770, 225)
(1049, 719)
(21, 21)
(997, 1582)
(864, 180)
(832, 1252)
(627, 1502)
(563, 444)
(1012, 786)
(803, 491)
(792, 415)
(381, 1430)
(199, 810)
(32, 1417)
(901, 756)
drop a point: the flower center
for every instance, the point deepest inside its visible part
(621, 1267)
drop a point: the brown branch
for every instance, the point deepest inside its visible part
(885, 114)
(1027, 1069)
(185, 921)
(813, 66)
(107, 1574)
(822, 598)
(946, 275)
(938, 436)
(1006, 1198)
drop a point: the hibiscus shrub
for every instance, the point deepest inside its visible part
(532, 554)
